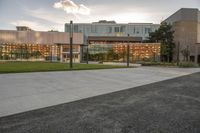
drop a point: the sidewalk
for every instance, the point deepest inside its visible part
(29, 91)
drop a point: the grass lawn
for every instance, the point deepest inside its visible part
(18, 67)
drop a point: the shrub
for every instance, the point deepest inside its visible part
(157, 64)
(188, 65)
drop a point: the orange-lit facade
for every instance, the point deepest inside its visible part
(34, 45)
(54, 46)
(138, 51)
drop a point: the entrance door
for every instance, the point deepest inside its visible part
(75, 58)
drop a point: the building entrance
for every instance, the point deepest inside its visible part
(75, 59)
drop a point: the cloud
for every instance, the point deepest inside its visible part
(60, 18)
(46, 15)
(72, 8)
(33, 25)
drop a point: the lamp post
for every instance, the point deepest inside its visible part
(128, 53)
(70, 45)
(87, 56)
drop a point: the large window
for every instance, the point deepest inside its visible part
(122, 29)
(75, 28)
(137, 30)
(133, 30)
(109, 29)
(117, 29)
(67, 28)
(93, 29)
(147, 30)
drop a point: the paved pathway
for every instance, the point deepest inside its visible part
(29, 91)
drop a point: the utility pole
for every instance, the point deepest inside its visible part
(71, 43)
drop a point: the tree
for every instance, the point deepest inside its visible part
(164, 35)
(1, 53)
(36, 54)
(111, 55)
(186, 53)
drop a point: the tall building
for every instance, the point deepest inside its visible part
(186, 24)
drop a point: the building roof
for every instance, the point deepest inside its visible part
(106, 22)
(184, 14)
(23, 28)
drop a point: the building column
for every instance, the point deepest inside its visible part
(53, 53)
(61, 53)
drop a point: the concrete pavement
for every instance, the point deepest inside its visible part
(29, 91)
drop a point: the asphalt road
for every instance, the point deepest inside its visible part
(171, 106)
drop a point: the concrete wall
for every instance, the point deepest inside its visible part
(35, 37)
(198, 34)
(185, 33)
(184, 14)
(186, 25)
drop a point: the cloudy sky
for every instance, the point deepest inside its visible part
(52, 14)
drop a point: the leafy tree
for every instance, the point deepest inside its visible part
(20, 53)
(111, 55)
(1, 53)
(164, 35)
(36, 54)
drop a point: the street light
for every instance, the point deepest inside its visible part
(71, 43)
(128, 53)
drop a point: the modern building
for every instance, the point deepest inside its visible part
(116, 49)
(186, 24)
(26, 44)
(111, 28)
(104, 36)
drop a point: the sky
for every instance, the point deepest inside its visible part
(44, 15)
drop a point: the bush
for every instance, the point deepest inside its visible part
(150, 63)
(157, 64)
(188, 64)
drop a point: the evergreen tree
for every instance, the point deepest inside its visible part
(164, 35)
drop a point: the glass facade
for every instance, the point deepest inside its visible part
(117, 51)
(114, 29)
(37, 52)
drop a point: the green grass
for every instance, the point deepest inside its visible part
(19, 67)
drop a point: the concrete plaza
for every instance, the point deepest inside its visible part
(29, 91)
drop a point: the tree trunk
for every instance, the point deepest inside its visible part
(168, 60)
